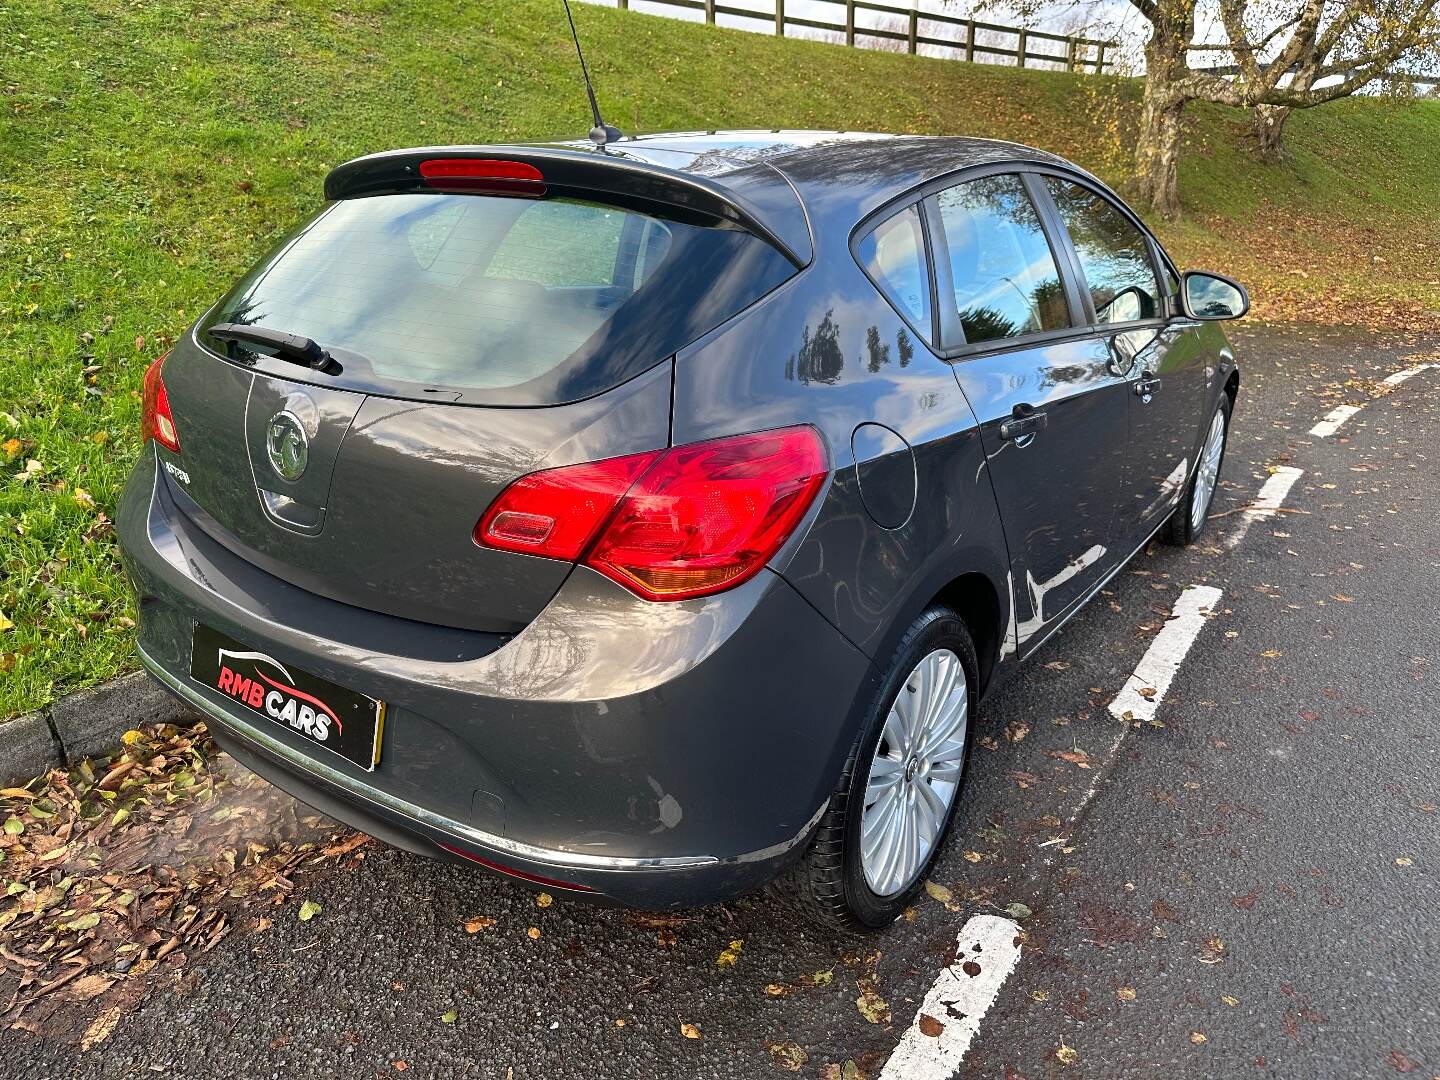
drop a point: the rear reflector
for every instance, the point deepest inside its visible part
(484, 175)
(672, 524)
(156, 420)
(510, 871)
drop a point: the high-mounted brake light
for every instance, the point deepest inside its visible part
(156, 420)
(486, 175)
(671, 524)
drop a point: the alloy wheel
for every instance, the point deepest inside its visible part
(1208, 473)
(915, 773)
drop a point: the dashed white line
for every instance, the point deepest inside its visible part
(1146, 687)
(1401, 376)
(1333, 419)
(1337, 416)
(1272, 494)
(933, 1047)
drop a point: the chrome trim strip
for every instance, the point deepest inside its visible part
(325, 774)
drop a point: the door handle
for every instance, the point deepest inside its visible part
(1146, 386)
(1023, 426)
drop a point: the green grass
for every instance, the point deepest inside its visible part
(149, 151)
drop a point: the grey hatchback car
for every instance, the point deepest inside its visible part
(646, 522)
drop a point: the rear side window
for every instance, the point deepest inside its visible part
(493, 300)
(893, 254)
(1005, 278)
(1113, 253)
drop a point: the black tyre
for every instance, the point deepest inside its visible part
(889, 815)
(1188, 521)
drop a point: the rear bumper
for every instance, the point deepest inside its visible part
(655, 755)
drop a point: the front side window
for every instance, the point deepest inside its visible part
(1113, 254)
(1004, 274)
(893, 254)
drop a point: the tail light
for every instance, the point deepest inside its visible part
(671, 524)
(156, 420)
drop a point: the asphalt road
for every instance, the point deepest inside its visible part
(1246, 887)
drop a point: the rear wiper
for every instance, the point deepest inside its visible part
(294, 348)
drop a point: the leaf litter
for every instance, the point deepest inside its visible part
(117, 871)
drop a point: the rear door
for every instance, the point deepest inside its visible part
(1159, 358)
(1053, 413)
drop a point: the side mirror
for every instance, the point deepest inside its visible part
(1211, 296)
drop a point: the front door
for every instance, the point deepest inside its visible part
(1054, 415)
(1161, 359)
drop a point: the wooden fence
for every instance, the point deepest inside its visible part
(1078, 53)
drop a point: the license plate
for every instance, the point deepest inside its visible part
(340, 720)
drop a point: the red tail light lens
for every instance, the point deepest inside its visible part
(156, 420)
(556, 512)
(485, 175)
(673, 524)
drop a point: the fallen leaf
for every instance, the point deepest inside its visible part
(90, 986)
(938, 892)
(690, 1031)
(929, 1026)
(1078, 758)
(1228, 1000)
(971, 856)
(478, 923)
(100, 1028)
(308, 910)
(1126, 993)
(873, 1008)
(1067, 1055)
(544, 900)
(1017, 910)
(533, 933)
(788, 1055)
(1401, 1063)
(1197, 1037)
(1016, 730)
(449, 1017)
(730, 955)
(1402, 861)
(776, 990)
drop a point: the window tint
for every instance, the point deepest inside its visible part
(497, 299)
(893, 254)
(1113, 254)
(1005, 279)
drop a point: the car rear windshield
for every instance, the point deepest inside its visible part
(492, 300)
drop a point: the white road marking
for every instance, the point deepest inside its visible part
(1333, 419)
(958, 1001)
(1337, 416)
(1162, 660)
(1401, 376)
(1272, 494)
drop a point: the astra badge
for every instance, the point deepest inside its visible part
(287, 446)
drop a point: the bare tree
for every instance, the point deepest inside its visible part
(1272, 56)
(1291, 54)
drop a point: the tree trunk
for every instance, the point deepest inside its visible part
(1157, 153)
(1269, 127)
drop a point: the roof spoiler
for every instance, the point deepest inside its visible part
(396, 171)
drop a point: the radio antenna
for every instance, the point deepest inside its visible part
(602, 132)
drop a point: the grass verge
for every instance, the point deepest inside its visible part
(151, 150)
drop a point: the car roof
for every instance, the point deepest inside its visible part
(837, 174)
